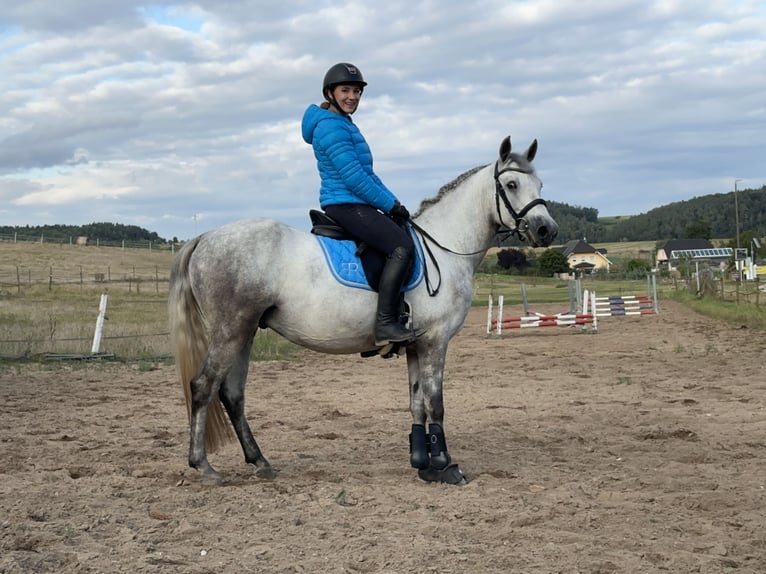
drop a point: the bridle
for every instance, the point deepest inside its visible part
(521, 225)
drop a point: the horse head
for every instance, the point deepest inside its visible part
(517, 192)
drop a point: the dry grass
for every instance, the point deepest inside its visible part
(24, 265)
(616, 251)
(62, 320)
(629, 249)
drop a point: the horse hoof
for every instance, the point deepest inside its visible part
(212, 478)
(451, 474)
(266, 473)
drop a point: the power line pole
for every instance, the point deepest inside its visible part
(736, 209)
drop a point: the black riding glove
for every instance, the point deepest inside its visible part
(399, 213)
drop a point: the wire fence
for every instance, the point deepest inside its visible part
(133, 279)
(66, 324)
(88, 241)
(748, 292)
(719, 286)
(133, 266)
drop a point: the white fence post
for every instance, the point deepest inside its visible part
(489, 315)
(500, 301)
(99, 325)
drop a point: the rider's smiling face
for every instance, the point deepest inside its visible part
(347, 96)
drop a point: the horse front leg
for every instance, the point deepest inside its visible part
(428, 450)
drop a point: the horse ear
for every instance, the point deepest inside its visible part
(505, 149)
(531, 151)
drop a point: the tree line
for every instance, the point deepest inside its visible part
(103, 231)
(706, 217)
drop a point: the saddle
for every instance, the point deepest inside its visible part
(352, 262)
(338, 247)
(325, 226)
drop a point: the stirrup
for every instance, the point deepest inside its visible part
(412, 337)
(401, 341)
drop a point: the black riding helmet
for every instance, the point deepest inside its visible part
(343, 73)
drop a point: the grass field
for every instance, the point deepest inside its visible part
(50, 294)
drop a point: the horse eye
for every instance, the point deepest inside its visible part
(513, 185)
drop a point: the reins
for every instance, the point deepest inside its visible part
(521, 226)
(432, 291)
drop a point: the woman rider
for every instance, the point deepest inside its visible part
(355, 197)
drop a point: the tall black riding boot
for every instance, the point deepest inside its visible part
(388, 327)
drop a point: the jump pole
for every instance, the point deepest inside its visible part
(536, 320)
(524, 298)
(620, 305)
(500, 301)
(489, 315)
(651, 288)
(498, 325)
(589, 298)
(499, 315)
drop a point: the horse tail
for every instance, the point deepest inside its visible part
(189, 342)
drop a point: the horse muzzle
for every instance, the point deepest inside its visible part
(540, 231)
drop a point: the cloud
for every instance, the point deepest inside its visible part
(185, 115)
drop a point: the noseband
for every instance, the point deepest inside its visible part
(521, 224)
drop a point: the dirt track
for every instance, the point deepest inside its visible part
(640, 449)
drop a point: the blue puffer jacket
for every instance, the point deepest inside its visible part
(344, 161)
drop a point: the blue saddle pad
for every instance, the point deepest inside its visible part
(346, 265)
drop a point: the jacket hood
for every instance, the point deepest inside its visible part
(311, 117)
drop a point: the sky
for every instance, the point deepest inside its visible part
(180, 117)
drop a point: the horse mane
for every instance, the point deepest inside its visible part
(445, 189)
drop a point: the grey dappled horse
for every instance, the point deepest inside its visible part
(259, 273)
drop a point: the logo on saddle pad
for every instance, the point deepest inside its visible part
(363, 272)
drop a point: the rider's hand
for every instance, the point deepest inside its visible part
(399, 213)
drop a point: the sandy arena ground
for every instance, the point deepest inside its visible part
(639, 449)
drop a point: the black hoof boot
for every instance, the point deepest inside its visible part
(418, 450)
(440, 468)
(449, 475)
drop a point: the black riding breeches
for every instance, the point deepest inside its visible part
(367, 224)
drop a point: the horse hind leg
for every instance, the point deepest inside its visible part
(203, 390)
(208, 424)
(232, 395)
